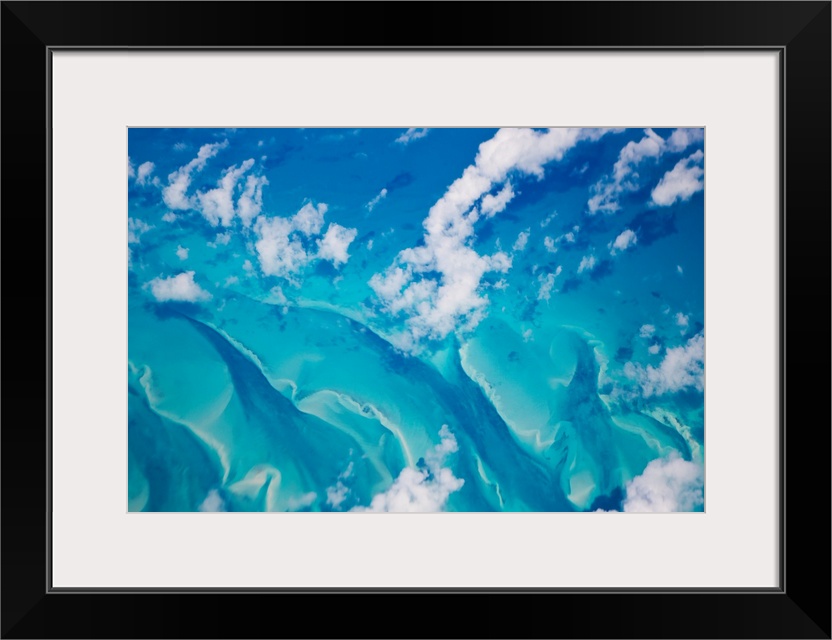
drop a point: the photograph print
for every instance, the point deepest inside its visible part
(416, 320)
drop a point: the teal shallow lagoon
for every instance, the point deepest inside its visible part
(428, 320)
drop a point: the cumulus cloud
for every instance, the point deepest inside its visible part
(422, 490)
(681, 182)
(624, 241)
(170, 216)
(180, 288)
(682, 367)
(493, 204)
(378, 198)
(175, 193)
(143, 173)
(333, 246)
(284, 245)
(182, 252)
(666, 485)
(547, 283)
(217, 205)
(624, 177)
(587, 263)
(646, 330)
(681, 139)
(549, 243)
(522, 240)
(221, 239)
(213, 502)
(437, 285)
(568, 237)
(654, 349)
(608, 189)
(250, 203)
(135, 229)
(337, 494)
(412, 134)
(682, 320)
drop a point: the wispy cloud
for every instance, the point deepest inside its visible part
(378, 198)
(412, 134)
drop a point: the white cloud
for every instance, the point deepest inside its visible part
(309, 220)
(492, 205)
(438, 285)
(370, 244)
(333, 246)
(170, 216)
(247, 266)
(412, 134)
(217, 205)
(131, 170)
(646, 330)
(182, 252)
(624, 241)
(527, 335)
(279, 249)
(381, 196)
(681, 368)
(654, 349)
(338, 493)
(608, 189)
(522, 240)
(180, 146)
(135, 229)
(549, 243)
(421, 490)
(180, 288)
(144, 172)
(682, 320)
(681, 182)
(283, 244)
(681, 139)
(231, 280)
(250, 203)
(667, 485)
(175, 194)
(547, 283)
(548, 219)
(221, 239)
(587, 263)
(213, 502)
(679, 269)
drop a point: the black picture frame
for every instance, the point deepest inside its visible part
(798, 608)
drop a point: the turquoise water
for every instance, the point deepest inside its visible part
(402, 347)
